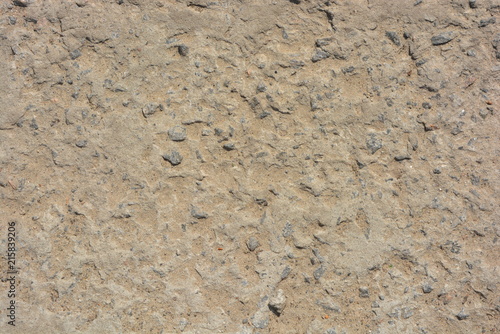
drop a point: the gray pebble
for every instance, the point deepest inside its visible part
(486, 22)
(174, 158)
(462, 315)
(150, 108)
(75, 54)
(319, 272)
(319, 55)
(261, 87)
(427, 288)
(393, 37)
(331, 331)
(472, 4)
(252, 244)
(177, 133)
(443, 38)
(260, 319)
(364, 292)
(471, 53)
(196, 213)
(287, 230)
(426, 105)
(81, 143)
(22, 3)
(402, 157)
(286, 272)
(277, 303)
(406, 312)
(12, 20)
(349, 69)
(183, 50)
(373, 144)
(229, 147)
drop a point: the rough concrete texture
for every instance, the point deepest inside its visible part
(251, 166)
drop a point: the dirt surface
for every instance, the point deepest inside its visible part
(250, 166)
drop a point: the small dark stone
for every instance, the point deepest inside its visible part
(406, 35)
(402, 157)
(393, 37)
(287, 230)
(462, 315)
(264, 114)
(286, 272)
(443, 38)
(75, 54)
(472, 4)
(195, 213)
(471, 53)
(33, 124)
(364, 292)
(229, 147)
(436, 171)
(174, 158)
(484, 23)
(349, 69)
(81, 143)
(319, 55)
(183, 50)
(427, 288)
(22, 3)
(261, 87)
(426, 105)
(373, 144)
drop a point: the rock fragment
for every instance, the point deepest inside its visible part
(319, 55)
(373, 144)
(260, 319)
(277, 303)
(462, 315)
(75, 54)
(486, 22)
(23, 3)
(393, 37)
(364, 292)
(174, 157)
(252, 244)
(151, 108)
(443, 38)
(229, 147)
(183, 50)
(427, 288)
(196, 213)
(177, 133)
